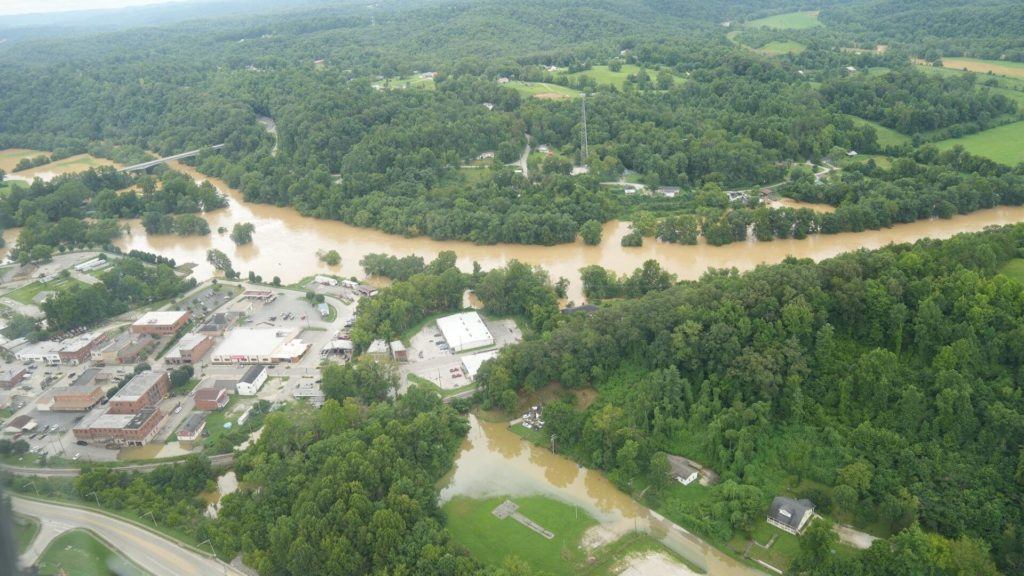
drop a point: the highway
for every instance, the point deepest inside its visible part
(216, 461)
(154, 553)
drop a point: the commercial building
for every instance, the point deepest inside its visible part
(192, 430)
(218, 324)
(251, 382)
(308, 391)
(209, 399)
(82, 394)
(189, 350)
(122, 429)
(11, 377)
(160, 323)
(121, 349)
(259, 295)
(76, 350)
(144, 389)
(465, 331)
(260, 346)
(45, 352)
(471, 364)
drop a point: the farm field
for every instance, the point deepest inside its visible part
(9, 158)
(886, 136)
(543, 90)
(69, 165)
(80, 553)
(787, 21)
(1002, 68)
(778, 48)
(1004, 144)
(604, 76)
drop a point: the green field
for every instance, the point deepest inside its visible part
(788, 21)
(491, 540)
(542, 90)
(778, 48)
(25, 531)
(406, 82)
(82, 554)
(10, 184)
(474, 175)
(26, 293)
(886, 136)
(604, 76)
(1014, 269)
(1004, 144)
(997, 67)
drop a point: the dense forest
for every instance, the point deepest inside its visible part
(889, 379)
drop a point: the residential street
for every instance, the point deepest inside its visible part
(155, 554)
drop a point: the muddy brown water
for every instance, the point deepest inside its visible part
(285, 244)
(494, 461)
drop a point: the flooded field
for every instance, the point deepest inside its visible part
(496, 462)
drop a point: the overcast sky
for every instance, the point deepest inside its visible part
(8, 7)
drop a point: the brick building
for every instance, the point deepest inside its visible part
(160, 323)
(189, 350)
(123, 429)
(145, 389)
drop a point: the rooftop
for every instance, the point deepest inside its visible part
(466, 327)
(474, 361)
(81, 341)
(789, 511)
(209, 394)
(86, 378)
(253, 373)
(137, 386)
(190, 341)
(160, 318)
(255, 341)
(192, 424)
(680, 466)
(123, 421)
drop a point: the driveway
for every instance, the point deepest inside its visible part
(154, 553)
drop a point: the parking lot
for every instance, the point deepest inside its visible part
(431, 358)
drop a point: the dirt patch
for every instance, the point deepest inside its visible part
(597, 536)
(653, 564)
(551, 96)
(982, 67)
(853, 537)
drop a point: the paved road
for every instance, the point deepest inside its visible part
(218, 460)
(154, 553)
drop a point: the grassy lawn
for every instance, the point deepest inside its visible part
(26, 293)
(9, 185)
(781, 554)
(443, 393)
(1014, 269)
(778, 48)
(406, 82)
(230, 413)
(881, 160)
(538, 437)
(608, 563)
(1004, 144)
(543, 90)
(82, 554)
(999, 67)
(491, 540)
(474, 175)
(886, 136)
(25, 531)
(604, 76)
(788, 21)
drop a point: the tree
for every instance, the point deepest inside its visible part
(659, 470)
(180, 376)
(241, 233)
(591, 232)
(331, 258)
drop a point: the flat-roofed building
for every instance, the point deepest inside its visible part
(160, 323)
(192, 430)
(398, 351)
(144, 389)
(465, 331)
(123, 429)
(471, 363)
(82, 394)
(210, 399)
(11, 377)
(76, 350)
(260, 346)
(217, 324)
(121, 349)
(45, 352)
(259, 295)
(252, 380)
(189, 350)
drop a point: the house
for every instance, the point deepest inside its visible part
(367, 291)
(851, 153)
(489, 105)
(251, 382)
(681, 470)
(668, 191)
(398, 351)
(790, 515)
(378, 350)
(503, 80)
(192, 429)
(485, 156)
(209, 399)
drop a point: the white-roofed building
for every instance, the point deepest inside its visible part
(471, 363)
(260, 346)
(465, 331)
(160, 322)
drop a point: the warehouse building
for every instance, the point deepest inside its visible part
(45, 352)
(260, 346)
(252, 380)
(471, 363)
(145, 389)
(465, 331)
(160, 323)
(121, 429)
(189, 350)
(82, 394)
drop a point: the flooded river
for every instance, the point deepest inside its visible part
(496, 462)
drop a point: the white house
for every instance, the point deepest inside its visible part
(790, 515)
(253, 379)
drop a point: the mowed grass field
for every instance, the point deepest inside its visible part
(403, 83)
(788, 21)
(25, 531)
(69, 165)
(491, 540)
(79, 553)
(1014, 269)
(886, 136)
(1000, 67)
(777, 48)
(9, 158)
(26, 293)
(1004, 144)
(605, 76)
(543, 90)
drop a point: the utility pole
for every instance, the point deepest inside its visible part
(584, 141)
(97, 499)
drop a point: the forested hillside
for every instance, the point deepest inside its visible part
(890, 380)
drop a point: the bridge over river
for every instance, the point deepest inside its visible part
(183, 155)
